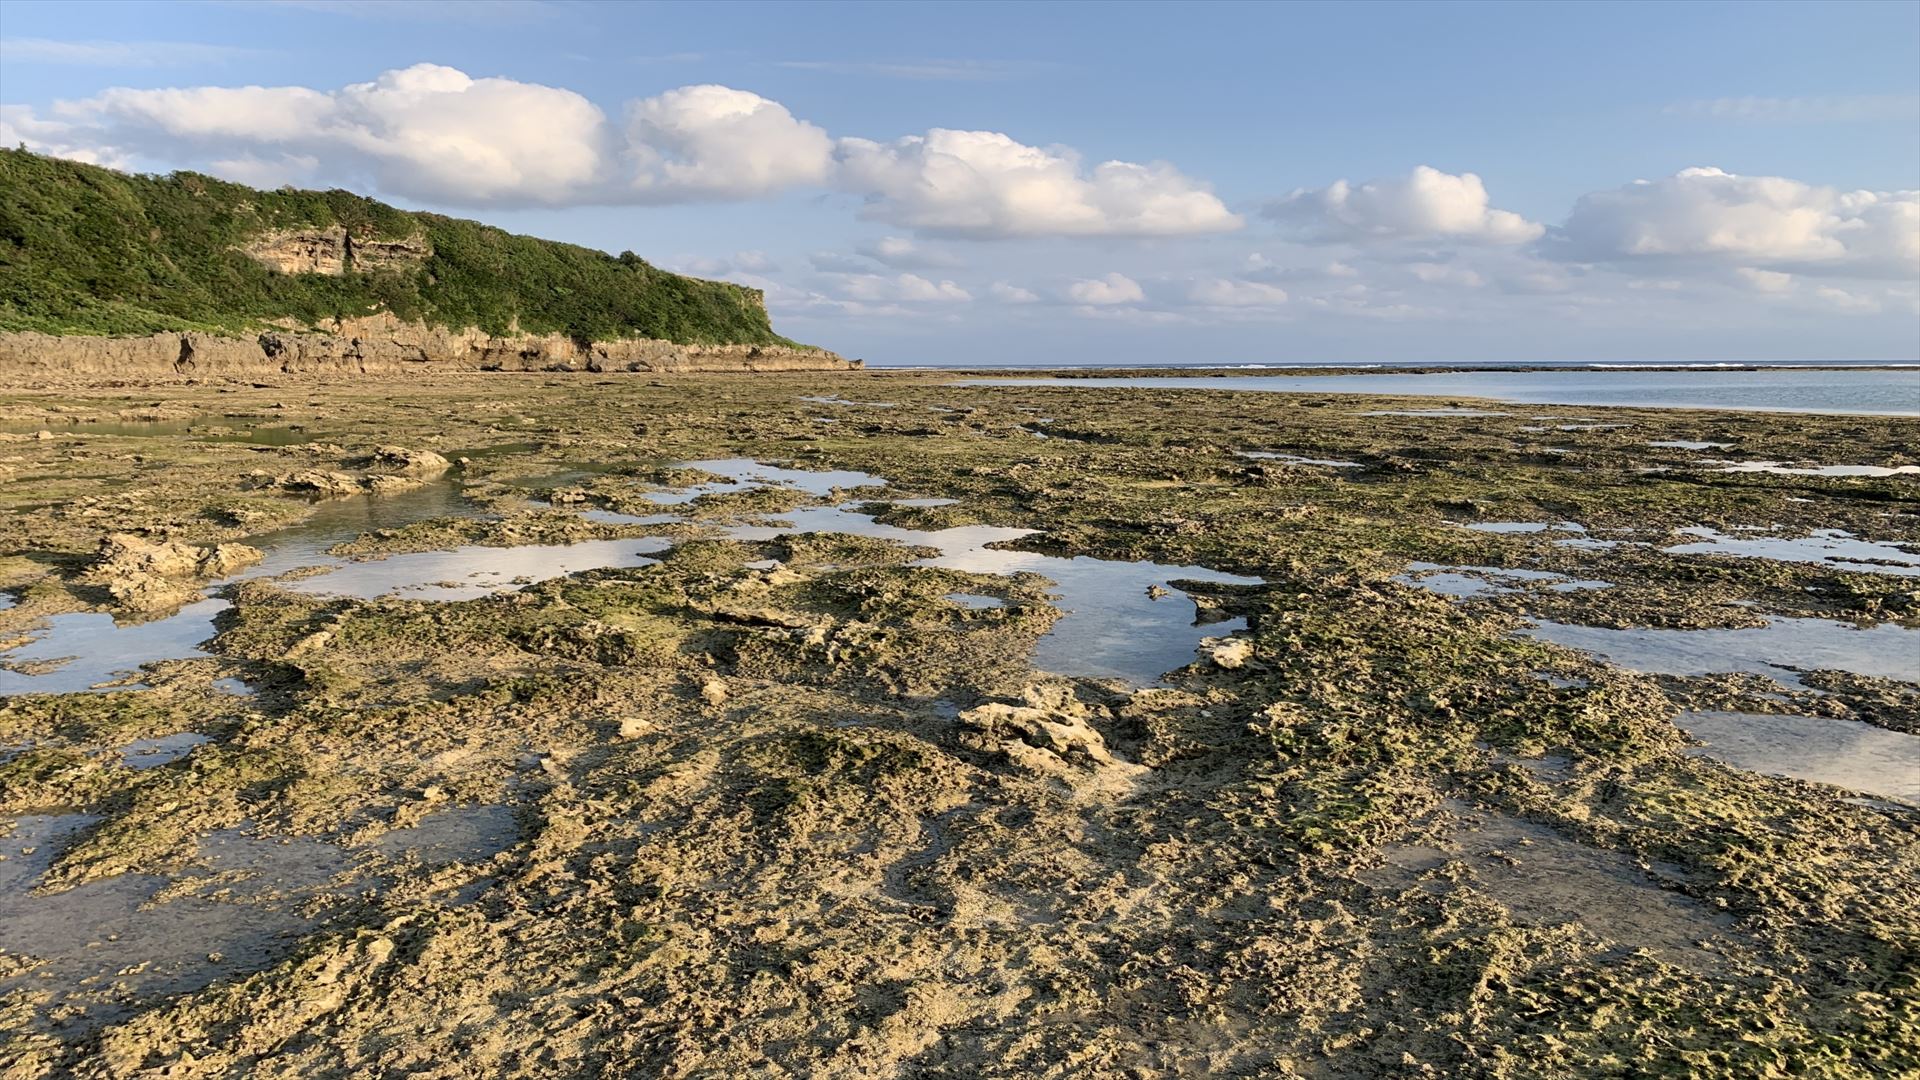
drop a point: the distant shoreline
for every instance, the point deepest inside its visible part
(1070, 371)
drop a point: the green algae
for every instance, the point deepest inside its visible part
(754, 838)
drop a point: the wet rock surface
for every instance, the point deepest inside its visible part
(656, 735)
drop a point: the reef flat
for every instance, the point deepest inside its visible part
(868, 724)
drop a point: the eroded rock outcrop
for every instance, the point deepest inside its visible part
(422, 463)
(1051, 733)
(332, 251)
(392, 469)
(147, 575)
(381, 345)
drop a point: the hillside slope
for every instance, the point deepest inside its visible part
(89, 251)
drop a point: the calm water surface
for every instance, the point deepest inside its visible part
(1863, 391)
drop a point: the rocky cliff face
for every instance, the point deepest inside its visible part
(379, 345)
(333, 251)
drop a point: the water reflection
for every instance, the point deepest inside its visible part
(1844, 753)
(1885, 651)
(1825, 547)
(1122, 619)
(1886, 391)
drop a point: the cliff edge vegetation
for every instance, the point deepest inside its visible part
(86, 250)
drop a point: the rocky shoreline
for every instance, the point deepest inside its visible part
(751, 726)
(381, 345)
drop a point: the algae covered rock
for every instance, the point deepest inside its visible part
(323, 482)
(421, 463)
(1050, 732)
(148, 575)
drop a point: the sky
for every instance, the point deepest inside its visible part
(1089, 183)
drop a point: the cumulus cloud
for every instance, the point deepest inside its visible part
(1842, 300)
(837, 262)
(20, 127)
(702, 142)
(1446, 274)
(986, 184)
(1008, 293)
(1113, 289)
(1259, 267)
(740, 262)
(427, 132)
(1226, 292)
(1771, 281)
(900, 288)
(267, 171)
(902, 253)
(437, 134)
(1427, 204)
(1764, 222)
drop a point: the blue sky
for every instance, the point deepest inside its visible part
(928, 184)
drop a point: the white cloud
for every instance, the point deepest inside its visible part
(254, 115)
(20, 127)
(1425, 205)
(900, 288)
(739, 263)
(1115, 288)
(1769, 281)
(1258, 267)
(1764, 222)
(835, 262)
(436, 134)
(1226, 292)
(426, 132)
(1537, 281)
(267, 172)
(1134, 316)
(1842, 300)
(985, 184)
(1012, 294)
(902, 253)
(1446, 274)
(704, 142)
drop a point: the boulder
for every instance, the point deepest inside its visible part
(1050, 732)
(146, 575)
(410, 462)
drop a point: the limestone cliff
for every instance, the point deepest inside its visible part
(380, 345)
(333, 252)
(104, 274)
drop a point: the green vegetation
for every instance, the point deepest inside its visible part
(778, 806)
(86, 250)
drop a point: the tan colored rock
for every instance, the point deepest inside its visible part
(391, 485)
(410, 462)
(1228, 653)
(1051, 733)
(330, 251)
(713, 691)
(300, 251)
(317, 482)
(380, 345)
(146, 575)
